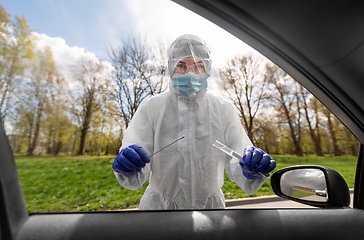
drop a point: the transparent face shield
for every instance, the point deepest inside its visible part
(189, 77)
(189, 65)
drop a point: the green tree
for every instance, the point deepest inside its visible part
(287, 102)
(20, 136)
(266, 135)
(57, 122)
(353, 143)
(92, 83)
(4, 36)
(42, 76)
(332, 124)
(103, 124)
(16, 50)
(313, 122)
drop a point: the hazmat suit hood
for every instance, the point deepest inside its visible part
(189, 45)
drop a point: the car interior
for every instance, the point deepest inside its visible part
(320, 44)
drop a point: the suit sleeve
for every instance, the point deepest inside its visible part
(237, 139)
(140, 131)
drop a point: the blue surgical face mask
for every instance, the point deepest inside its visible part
(189, 84)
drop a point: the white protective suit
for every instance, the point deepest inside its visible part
(190, 173)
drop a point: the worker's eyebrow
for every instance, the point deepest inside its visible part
(181, 62)
(198, 62)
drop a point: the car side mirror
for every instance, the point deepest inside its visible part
(312, 185)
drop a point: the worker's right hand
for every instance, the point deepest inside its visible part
(130, 160)
(256, 163)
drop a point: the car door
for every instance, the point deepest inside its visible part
(325, 59)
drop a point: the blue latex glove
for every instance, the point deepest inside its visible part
(130, 160)
(256, 161)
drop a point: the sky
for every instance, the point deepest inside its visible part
(75, 28)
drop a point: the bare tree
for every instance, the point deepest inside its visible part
(245, 85)
(139, 72)
(332, 126)
(93, 81)
(313, 122)
(287, 102)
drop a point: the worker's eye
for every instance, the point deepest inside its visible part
(199, 66)
(181, 67)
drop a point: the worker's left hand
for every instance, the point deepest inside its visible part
(256, 162)
(130, 160)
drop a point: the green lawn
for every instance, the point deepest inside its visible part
(88, 183)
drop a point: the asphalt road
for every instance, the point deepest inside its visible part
(263, 202)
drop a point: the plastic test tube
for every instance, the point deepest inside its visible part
(234, 154)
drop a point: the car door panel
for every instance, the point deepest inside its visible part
(207, 224)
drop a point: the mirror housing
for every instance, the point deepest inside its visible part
(336, 192)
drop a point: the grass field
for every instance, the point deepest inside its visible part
(88, 184)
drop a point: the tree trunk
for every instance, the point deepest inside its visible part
(346, 143)
(83, 140)
(37, 127)
(314, 132)
(56, 144)
(332, 131)
(50, 148)
(318, 148)
(30, 135)
(298, 148)
(316, 139)
(85, 127)
(74, 145)
(58, 148)
(100, 146)
(119, 142)
(8, 81)
(337, 150)
(107, 149)
(250, 134)
(295, 136)
(354, 149)
(266, 146)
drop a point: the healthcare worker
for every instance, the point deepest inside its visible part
(188, 174)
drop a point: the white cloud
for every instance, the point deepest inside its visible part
(168, 20)
(66, 57)
(154, 19)
(162, 19)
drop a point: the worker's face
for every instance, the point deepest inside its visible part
(190, 64)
